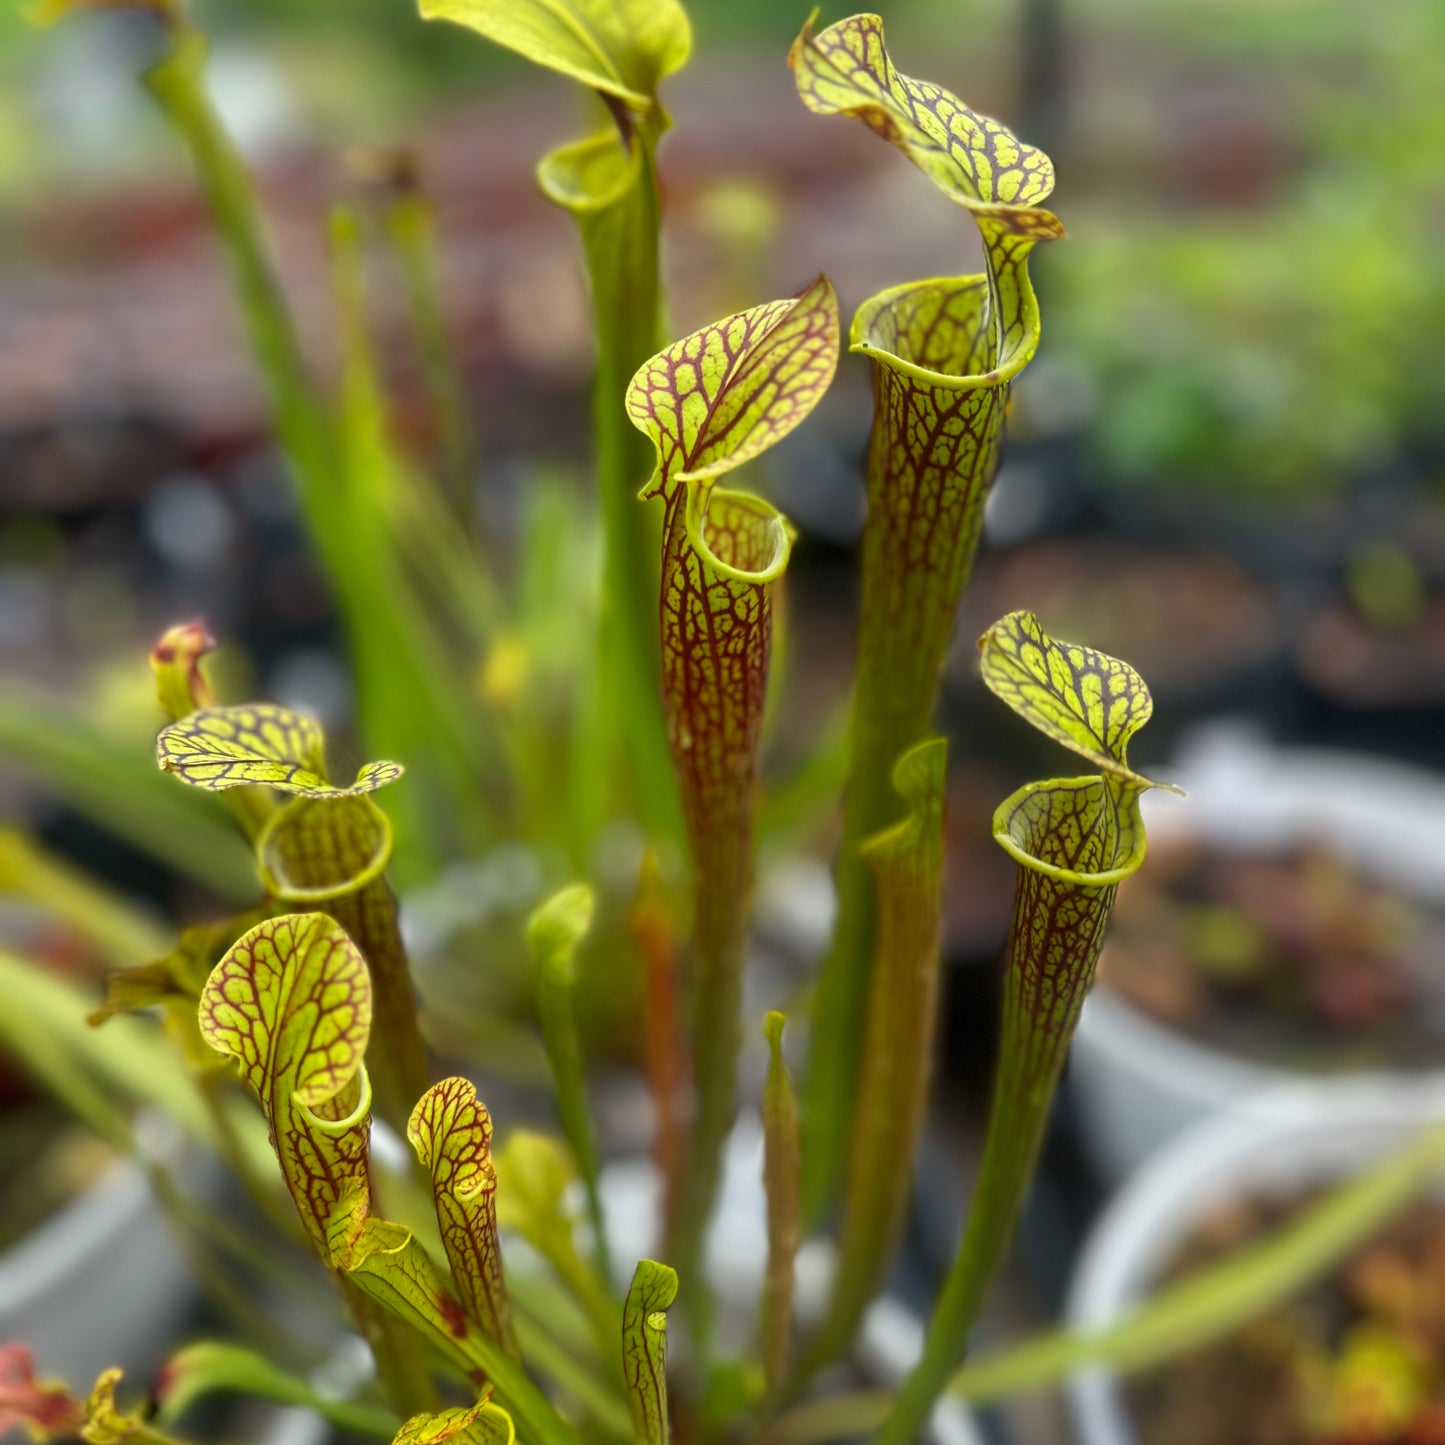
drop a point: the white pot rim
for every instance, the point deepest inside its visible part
(1386, 817)
(1289, 1137)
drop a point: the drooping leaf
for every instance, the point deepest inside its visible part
(101, 1074)
(620, 47)
(729, 391)
(227, 747)
(291, 1002)
(481, 1424)
(1085, 699)
(899, 1037)
(554, 933)
(451, 1132)
(208, 1367)
(177, 975)
(384, 1260)
(781, 1181)
(644, 1350)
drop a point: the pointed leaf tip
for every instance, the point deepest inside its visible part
(558, 926)
(228, 747)
(773, 1025)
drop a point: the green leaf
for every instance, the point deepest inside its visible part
(99, 1073)
(481, 1424)
(899, 1037)
(174, 982)
(318, 848)
(781, 1181)
(291, 1002)
(1209, 1303)
(553, 934)
(644, 1350)
(729, 391)
(384, 1260)
(226, 747)
(451, 1132)
(1085, 699)
(620, 47)
(845, 70)
(210, 1366)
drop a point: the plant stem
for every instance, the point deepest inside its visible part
(621, 245)
(397, 1348)
(178, 84)
(925, 512)
(411, 227)
(1058, 927)
(723, 873)
(906, 860)
(609, 1414)
(398, 1056)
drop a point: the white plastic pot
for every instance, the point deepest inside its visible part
(101, 1282)
(1303, 1137)
(1139, 1084)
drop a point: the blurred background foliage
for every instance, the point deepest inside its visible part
(1243, 325)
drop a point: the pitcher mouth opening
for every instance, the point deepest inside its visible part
(954, 316)
(1085, 831)
(742, 537)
